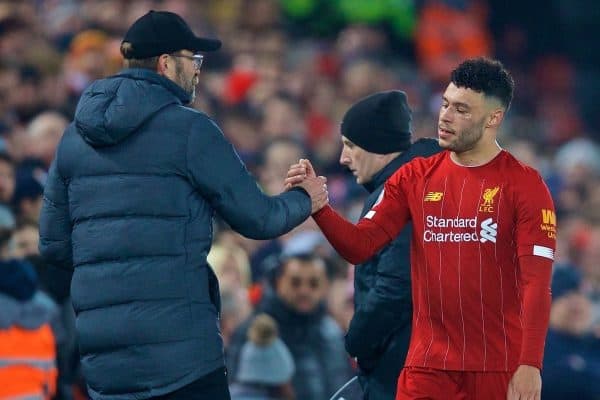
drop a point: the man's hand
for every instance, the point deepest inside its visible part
(303, 174)
(525, 384)
(317, 190)
(298, 172)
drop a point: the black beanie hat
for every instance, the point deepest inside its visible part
(379, 123)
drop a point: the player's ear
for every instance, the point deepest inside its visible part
(495, 118)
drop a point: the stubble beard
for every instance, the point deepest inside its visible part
(187, 84)
(467, 139)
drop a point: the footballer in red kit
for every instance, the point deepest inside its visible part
(471, 225)
(484, 233)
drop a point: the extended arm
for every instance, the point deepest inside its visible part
(357, 243)
(220, 176)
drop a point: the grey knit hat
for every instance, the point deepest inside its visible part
(264, 358)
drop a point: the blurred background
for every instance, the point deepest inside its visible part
(287, 72)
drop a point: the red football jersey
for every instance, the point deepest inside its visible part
(470, 225)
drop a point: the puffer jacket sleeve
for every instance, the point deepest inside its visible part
(55, 224)
(219, 175)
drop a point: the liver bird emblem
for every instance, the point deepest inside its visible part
(488, 196)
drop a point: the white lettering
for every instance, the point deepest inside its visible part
(452, 237)
(434, 222)
(438, 231)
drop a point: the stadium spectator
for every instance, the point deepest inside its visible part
(315, 340)
(266, 365)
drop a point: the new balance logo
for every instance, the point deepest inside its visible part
(489, 231)
(433, 196)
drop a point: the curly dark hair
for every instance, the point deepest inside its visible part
(485, 75)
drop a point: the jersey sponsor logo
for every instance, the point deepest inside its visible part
(488, 199)
(436, 222)
(434, 196)
(548, 224)
(548, 217)
(456, 230)
(489, 231)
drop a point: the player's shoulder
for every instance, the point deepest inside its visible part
(420, 166)
(518, 169)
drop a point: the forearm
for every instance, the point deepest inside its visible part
(355, 243)
(536, 273)
(256, 215)
(283, 213)
(215, 170)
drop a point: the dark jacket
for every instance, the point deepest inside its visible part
(243, 391)
(316, 343)
(571, 367)
(379, 332)
(129, 205)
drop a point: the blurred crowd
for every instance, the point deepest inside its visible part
(286, 74)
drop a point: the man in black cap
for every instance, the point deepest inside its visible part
(376, 138)
(128, 206)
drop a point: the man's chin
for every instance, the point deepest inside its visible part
(444, 144)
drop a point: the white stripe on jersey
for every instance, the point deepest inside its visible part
(462, 317)
(481, 282)
(501, 286)
(543, 251)
(370, 214)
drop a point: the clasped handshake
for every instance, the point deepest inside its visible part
(303, 175)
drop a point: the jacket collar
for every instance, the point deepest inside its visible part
(380, 177)
(151, 76)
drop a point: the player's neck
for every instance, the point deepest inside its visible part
(479, 155)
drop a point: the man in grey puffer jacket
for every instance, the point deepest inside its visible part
(129, 204)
